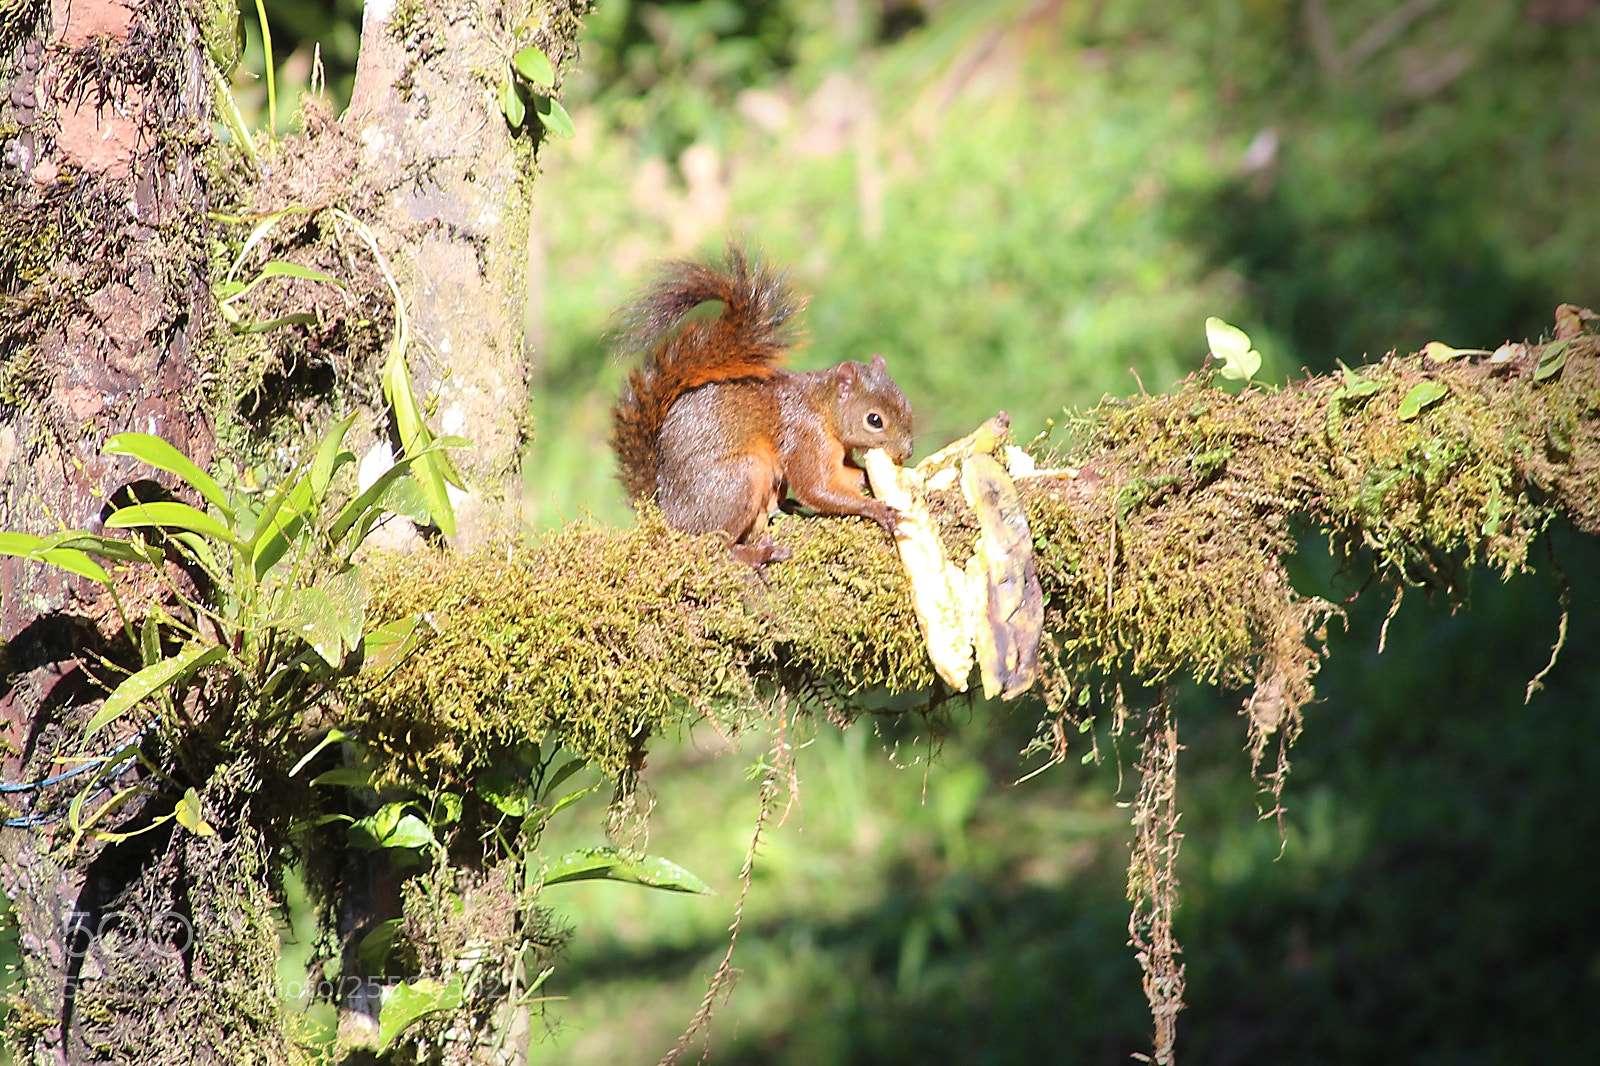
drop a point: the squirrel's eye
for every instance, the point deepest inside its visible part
(874, 420)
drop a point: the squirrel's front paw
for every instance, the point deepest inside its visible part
(887, 517)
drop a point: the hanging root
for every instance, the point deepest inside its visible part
(779, 769)
(1153, 880)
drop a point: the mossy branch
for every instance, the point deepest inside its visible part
(1163, 557)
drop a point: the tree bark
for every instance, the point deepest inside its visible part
(162, 947)
(449, 189)
(105, 321)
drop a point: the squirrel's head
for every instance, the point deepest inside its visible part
(872, 411)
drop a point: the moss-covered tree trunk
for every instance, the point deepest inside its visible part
(161, 947)
(134, 951)
(447, 186)
(449, 190)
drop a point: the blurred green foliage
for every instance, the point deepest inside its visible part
(1018, 203)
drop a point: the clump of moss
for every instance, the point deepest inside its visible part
(1164, 557)
(600, 639)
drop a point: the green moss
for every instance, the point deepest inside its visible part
(600, 639)
(1164, 558)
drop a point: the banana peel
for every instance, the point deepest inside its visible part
(992, 611)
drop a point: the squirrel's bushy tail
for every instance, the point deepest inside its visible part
(748, 340)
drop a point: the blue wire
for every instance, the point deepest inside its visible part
(26, 821)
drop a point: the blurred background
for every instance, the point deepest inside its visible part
(1029, 205)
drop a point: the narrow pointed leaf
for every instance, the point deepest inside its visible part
(169, 513)
(152, 679)
(23, 544)
(333, 737)
(277, 268)
(123, 551)
(369, 503)
(201, 550)
(345, 777)
(330, 456)
(163, 456)
(76, 562)
(615, 864)
(275, 533)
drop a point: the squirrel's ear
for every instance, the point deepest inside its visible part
(877, 361)
(845, 376)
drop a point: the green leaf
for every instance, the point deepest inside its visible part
(163, 456)
(19, 544)
(370, 832)
(1355, 386)
(507, 794)
(554, 116)
(569, 799)
(407, 501)
(76, 562)
(409, 832)
(345, 777)
(429, 465)
(330, 616)
(1440, 352)
(1551, 360)
(1231, 345)
(123, 551)
(334, 736)
(534, 65)
(511, 104)
(447, 809)
(189, 816)
(387, 645)
(375, 947)
(280, 523)
(430, 474)
(81, 825)
(170, 513)
(276, 268)
(152, 679)
(571, 767)
(615, 864)
(150, 642)
(200, 550)
(391, 826)
(360, 513)
(1423, 394)
(411, 1000)
(330, 457)
(299, 318)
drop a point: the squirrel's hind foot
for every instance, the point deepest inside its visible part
(761, 553)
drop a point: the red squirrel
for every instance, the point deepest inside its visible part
(717, 432)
